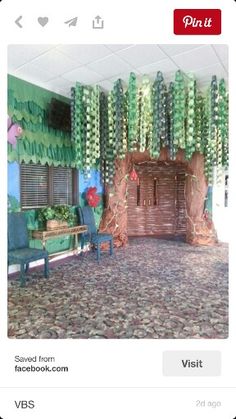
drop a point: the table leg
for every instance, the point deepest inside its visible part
(76, 243)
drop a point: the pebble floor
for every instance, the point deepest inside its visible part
(152, 289)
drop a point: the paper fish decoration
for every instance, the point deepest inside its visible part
(13, 132)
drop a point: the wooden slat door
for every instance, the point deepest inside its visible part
(151, 210)
(180, 204)
(165, 222)
(156, 204)
(136, 214)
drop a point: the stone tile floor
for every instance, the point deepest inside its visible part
(151, 289)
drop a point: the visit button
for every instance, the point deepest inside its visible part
(192, 363)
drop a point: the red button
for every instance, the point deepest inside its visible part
(197, 21)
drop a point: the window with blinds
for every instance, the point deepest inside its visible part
(43, 185)
(62, 185)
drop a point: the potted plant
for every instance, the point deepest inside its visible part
(56, 216)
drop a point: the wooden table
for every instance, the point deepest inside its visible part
(45, 235)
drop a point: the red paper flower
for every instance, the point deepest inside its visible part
(92, 197)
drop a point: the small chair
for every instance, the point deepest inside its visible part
(19, 252)
(86, 217)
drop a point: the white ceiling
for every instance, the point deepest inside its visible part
(58, 67)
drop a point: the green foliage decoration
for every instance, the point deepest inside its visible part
(213, 132)
(223, 122)
(77, 119)
(104, 139)
(95, 125)
(148, 117)
(145, 127)
(118, 118)
(160, 123)
(85, 114)
(110, 149)
(214, 119)
(201, 126)
(28, 106)
(170, 110)
(88, 131)
(190, 120)
(207, 151)
(132, 102)
(125, 126)
(145, 116)
(179, 110)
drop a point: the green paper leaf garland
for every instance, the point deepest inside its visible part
(148, 117)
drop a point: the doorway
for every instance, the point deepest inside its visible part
(156, 201)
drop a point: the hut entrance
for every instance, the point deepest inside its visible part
(156, 202)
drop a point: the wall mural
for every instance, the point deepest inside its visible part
(150, 116)
(14, 131)
(28, 106)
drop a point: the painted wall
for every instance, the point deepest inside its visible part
(13, 176)
(28, 105)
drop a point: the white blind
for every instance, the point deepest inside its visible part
(34, 186)
(62, 185)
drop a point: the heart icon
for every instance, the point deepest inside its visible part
(43, 21)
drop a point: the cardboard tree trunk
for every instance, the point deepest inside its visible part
(114, 218)
(199, 231)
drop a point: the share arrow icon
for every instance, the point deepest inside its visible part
(98, 23)
(72, 22)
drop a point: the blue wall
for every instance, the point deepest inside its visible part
(14, 180)
(94, 180)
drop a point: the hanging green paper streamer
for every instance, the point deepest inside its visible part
(149, 117)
